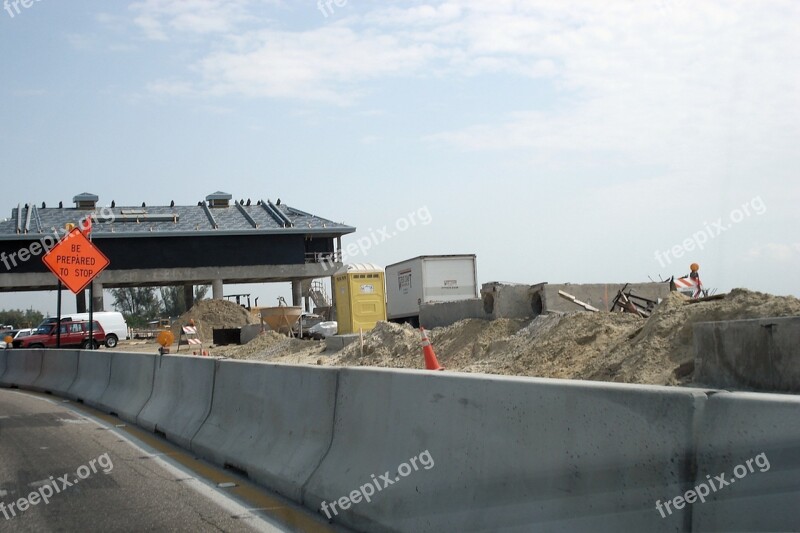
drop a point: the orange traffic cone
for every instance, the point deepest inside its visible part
(427, 350)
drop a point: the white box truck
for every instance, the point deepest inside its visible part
(428, 279)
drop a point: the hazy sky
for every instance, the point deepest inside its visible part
(564, 141)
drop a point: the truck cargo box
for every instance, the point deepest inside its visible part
(428, 279)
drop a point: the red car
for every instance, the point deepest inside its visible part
(74, 334)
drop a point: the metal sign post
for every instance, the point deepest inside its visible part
(58, 316)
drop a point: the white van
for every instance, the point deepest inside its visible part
(112, 321)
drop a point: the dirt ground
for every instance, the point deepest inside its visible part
(602, 346)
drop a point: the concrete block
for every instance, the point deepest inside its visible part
(760, 354)
(94, 371)
(335, 343)
(506, 300)
(510, 454)
(129, 386)
(181, 398)
(447, 313)
(250, 332)
(737, 427)
(272, 421)
(59, 370)
(22, 368)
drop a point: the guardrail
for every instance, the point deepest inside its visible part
(324, 257)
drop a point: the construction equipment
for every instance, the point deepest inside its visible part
(281, 318)
(319, 295)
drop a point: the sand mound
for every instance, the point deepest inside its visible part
(272, 346)
(662, 352)
(213, 314)
(597, 346)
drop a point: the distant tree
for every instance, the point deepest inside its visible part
(137, 304)
(21, 319)
(173, 301)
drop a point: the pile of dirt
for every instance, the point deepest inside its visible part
(213, 314)
(273, 346)
(388, 345)
(562, 346)
(399, 345)
(662, 352)
(597, 346)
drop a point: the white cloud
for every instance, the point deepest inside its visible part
(637, 79)
(324, 64)
(156, 18)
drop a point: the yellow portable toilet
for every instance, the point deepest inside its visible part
(360, 297)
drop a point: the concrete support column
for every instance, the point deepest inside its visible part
(338, 244)
(297, 293)
(188, 296)
(216, 289)
(97, 297)
(80, 302)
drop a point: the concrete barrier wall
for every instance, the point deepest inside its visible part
(129, 386)
(181, 398)
(447, 313)
(59, 370)
(599, 295)
(761, 354)
(511, 454)
(3, 356)
(737, 427)
(94, 372)
(22, 368)
(272, 421)
(489, 452)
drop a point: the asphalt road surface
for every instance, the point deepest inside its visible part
(68, 468)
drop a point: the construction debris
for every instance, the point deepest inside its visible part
(602, 346)
(571, 298)
(631, 303)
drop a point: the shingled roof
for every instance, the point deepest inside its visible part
(215, 216)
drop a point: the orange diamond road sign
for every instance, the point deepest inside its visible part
(75, 261)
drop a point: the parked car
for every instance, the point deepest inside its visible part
(74, 334)
(113, 324)
(14, 334)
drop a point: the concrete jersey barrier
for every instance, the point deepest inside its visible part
(181, 398)
(129, 386)
(59, 370)
(510, 454)
(456, 452)
(22, 367)
(759, 354)
(272, 421)
(94, 372)
(764, 429)
(3, 357)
